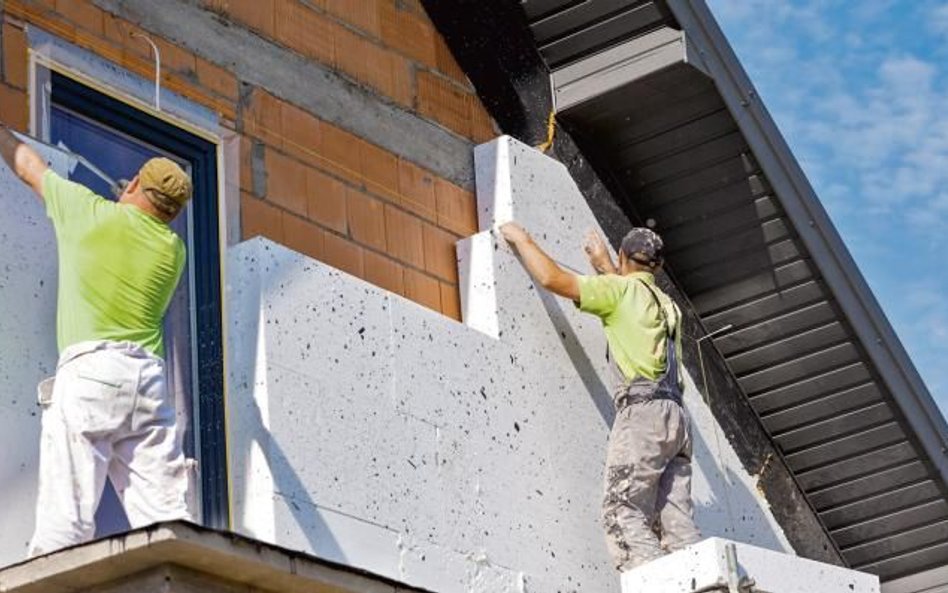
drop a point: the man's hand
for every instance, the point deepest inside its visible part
(22, 160)
(598, 253)
(541, 266)
(514, 233)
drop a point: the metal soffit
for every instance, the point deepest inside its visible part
(567, 30)
(687, 143)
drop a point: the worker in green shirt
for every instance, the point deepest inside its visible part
(109, 412)
(647, 507)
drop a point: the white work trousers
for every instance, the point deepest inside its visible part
(110, 415)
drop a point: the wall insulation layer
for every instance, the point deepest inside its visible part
(714, 563)
(28, 280)
(456, 457)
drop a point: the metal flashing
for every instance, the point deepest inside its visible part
(623, 64)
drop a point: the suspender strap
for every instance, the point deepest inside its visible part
(669, 328)
(671, 354)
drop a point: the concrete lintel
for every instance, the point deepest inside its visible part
(616, 67)
(305, 83)
(225, 558)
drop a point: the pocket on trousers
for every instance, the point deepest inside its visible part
(95, 392)
(113, 383)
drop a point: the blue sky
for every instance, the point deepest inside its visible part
(860, 92)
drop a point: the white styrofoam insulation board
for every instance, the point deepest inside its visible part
(367, 429)
(28, 353)
(704, 565)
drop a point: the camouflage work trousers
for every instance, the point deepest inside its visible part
(647, 509)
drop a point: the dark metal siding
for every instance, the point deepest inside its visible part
(671, 146)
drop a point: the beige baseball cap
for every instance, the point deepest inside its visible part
(167, 178)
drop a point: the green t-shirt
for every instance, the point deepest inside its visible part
(118, 267)
(633, 324)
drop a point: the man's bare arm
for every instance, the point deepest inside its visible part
(598, 254)
(542, 267)
(25, 162)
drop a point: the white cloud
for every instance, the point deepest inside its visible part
(938, 20)
(907, 74)
(940, 204)
(888, 137)
(868, 11)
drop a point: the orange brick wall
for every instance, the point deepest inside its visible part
(389, 46)
(14, 106)
(327, 193)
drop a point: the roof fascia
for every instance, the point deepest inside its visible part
(621, 65)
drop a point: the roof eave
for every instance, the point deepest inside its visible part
(815, 229)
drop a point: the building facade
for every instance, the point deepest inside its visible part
(366, 372)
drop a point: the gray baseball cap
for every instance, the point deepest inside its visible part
(644, 246)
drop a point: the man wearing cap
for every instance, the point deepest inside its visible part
(109, 413)
(647, 508)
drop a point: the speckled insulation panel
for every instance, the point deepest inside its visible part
(452, 456)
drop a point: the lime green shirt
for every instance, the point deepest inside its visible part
(631, 319)
(118, 267)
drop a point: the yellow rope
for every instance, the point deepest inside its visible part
(550, 132)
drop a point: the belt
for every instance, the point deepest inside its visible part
(82, 348)
(639, 392)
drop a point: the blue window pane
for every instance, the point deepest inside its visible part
(119, 157)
